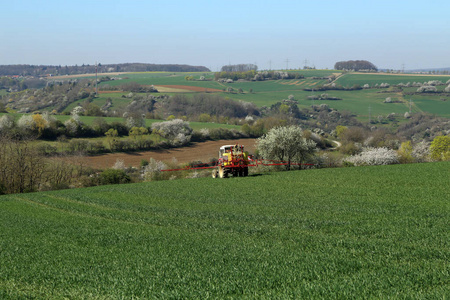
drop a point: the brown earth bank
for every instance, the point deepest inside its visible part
(204, 152)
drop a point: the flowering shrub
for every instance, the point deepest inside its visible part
(421, 152)
(427, 89)
(119, 165)
(152, 171)
(374, 156)
(6, 122)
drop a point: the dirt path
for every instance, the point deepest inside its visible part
(198, 151)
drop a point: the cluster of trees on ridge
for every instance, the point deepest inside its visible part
(356, 65)
(239, 68)
(44, 70)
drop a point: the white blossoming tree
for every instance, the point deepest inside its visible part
(286, 144)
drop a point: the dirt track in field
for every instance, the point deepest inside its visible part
(197, 152)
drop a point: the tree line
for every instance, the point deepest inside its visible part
(356, 65)
(239, 68)
(44, 70)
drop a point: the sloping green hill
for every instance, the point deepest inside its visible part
(333, 233)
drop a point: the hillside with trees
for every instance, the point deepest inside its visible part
(355, 65)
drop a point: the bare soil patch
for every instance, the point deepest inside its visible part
(197, 152)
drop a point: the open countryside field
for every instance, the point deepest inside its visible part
(266, 93)
(302, 234)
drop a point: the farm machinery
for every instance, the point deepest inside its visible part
(232, 160)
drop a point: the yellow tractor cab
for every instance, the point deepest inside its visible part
(232, 160)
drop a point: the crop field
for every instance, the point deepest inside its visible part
(366, 232)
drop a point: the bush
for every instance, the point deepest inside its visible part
(373, 157)
(114, 176)
(440, 148)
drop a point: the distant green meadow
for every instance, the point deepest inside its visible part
(148, 122)
(363, 232)
(372, 79)
(269, 92)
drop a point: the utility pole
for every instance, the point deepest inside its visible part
(305, 63)
(96, 81)
(287, 63)
(270, 65)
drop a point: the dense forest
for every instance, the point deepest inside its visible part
(41, 70)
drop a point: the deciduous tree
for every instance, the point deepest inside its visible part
(286, 144)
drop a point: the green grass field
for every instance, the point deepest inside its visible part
(367, 232)
(372, 79)
(116, 98)
(148, 122)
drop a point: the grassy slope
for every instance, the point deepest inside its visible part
(306, 234)
(372, 79)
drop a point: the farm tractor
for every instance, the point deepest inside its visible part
(232, 160)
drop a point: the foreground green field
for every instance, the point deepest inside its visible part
(367, 232)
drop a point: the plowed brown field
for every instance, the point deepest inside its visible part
(197, 152)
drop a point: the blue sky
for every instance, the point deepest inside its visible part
(215, 33)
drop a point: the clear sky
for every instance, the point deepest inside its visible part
(215, 33)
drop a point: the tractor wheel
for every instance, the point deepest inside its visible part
(245, 171)
(222, 173)
(215, 173)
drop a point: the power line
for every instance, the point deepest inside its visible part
(287, 63)
(96, 81)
